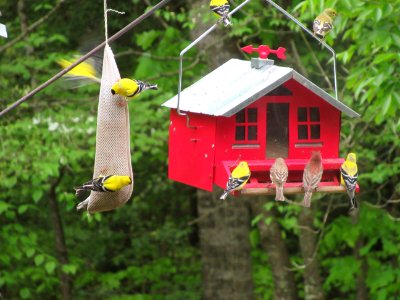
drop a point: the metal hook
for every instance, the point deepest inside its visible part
(207, 32)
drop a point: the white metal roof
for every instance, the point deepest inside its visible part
(235, 85)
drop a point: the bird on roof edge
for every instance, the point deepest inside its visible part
(221, 8)
(323, 24)
(348, 178)
(237, 179)
(312, 176)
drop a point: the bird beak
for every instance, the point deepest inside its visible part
(112, 92)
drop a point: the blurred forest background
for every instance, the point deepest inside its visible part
(170, 241)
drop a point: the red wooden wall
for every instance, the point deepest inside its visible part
(227, 149)
(191, 150)
(200, 157)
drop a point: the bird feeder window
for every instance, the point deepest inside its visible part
(280, 91)
(246, 125)
(277, 130)
(309, 125)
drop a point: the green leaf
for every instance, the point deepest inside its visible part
(396, 39)
(268, 220)
(378, 14)
(39, 259)
(385, 57)
(25, 293)
(254, 238)
(37, 195)
(386, 104)
(30, 252)
(269, 205)
(146, 39)
(69, 269)
(22, 209)
(50, 267)
(257, 219)
(3, 207)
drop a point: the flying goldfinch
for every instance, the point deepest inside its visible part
(130, 88)
(221, 8)
(109, 183)
(348, 178)
(279, 173)
(312, 176)
(85, 72)
(322, 24)
(238, 178)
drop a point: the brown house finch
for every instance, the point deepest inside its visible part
(312, 176)
(279, 174)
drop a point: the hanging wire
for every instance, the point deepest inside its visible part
(311, 34)
(196, 41)
(212, 28)
(106, 10)
(86, 56)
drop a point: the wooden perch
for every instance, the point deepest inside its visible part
(270, 190)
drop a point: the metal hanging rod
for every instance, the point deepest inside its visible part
(86, 56)
(207, 32)
(311, 34)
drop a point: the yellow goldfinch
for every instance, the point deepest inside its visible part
(312, 177)
(109, 183)
(322, 24)
(238, 178)
(85, 71)
(130, 88)
(348, 178)
(221, 8)
(279, 173)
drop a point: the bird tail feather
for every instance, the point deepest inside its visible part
(82, 205)
(227, 21)
(307, 199)
(353, 203)
(224, 195)
(151, 86)
(279, 193)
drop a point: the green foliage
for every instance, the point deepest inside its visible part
(145, 250)
(140, 251)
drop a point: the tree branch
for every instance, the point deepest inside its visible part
(321, 230)
(31, 27)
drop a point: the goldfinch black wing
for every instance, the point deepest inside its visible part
(221, 10)
(234, 183)
(349, 180)
(81, 194)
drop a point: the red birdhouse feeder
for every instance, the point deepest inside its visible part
(254, 111)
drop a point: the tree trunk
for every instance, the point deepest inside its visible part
(274, 245)
(312, 277)
(225, 226)
(61, 248)
(23, 19)
(225, 247)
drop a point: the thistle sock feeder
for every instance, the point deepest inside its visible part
(113, 156)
